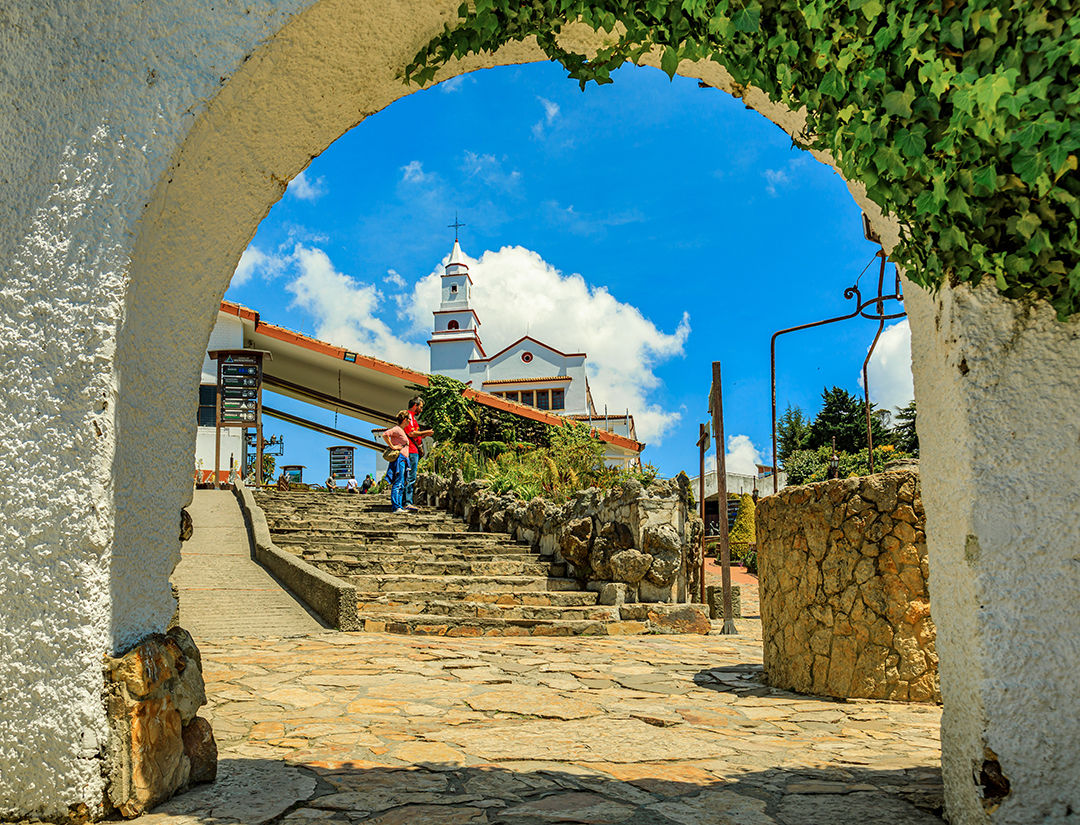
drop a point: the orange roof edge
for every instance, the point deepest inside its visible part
(406, 374)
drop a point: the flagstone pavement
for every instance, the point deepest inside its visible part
(658, 730)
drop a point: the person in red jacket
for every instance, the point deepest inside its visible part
(416, 450)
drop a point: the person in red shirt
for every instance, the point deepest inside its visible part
(416, 436)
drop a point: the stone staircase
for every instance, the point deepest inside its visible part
(427, 573)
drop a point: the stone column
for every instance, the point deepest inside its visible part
(998, 388)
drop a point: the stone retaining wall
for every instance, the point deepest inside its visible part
(845, 605)
(634, 544)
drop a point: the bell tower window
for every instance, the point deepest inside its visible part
(453, 325)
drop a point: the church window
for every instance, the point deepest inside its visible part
(526, 357)
(510, 396)
(558, 399)
(542, 400)
(453, 325)
(453, 289)
(527, 398)
(208, 405)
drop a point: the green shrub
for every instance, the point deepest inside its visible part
(742, 531)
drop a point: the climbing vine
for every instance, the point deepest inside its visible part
(959, 117)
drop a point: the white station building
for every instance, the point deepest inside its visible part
(528, 371)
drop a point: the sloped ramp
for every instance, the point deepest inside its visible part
(224, 592)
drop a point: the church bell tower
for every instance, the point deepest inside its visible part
(455, 338)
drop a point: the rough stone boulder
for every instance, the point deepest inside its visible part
(153, 692)
(665, 546)
(575, 541)
(629, 566)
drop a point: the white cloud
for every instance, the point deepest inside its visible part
(394, 279)
(742, 456)
(775, 178)
(305, 189)
(516, 290)
(256, 262)
(583, 224)
(889, 370)
(413, 172)
(454, 84)
(551, 111)
(490, 170)
(346, 310)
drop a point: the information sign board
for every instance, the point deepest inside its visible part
(341, 462)
(240, 375)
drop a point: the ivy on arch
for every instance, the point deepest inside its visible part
(959, 117)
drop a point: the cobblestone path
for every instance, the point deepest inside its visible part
(677, 730)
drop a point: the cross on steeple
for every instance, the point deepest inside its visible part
(456, 225)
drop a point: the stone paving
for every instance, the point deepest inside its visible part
(659, 730)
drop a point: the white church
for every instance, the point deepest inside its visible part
(528, 371)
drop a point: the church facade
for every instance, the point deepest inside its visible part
(528, 371)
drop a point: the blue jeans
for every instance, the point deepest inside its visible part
(399, 471)
(410, 482)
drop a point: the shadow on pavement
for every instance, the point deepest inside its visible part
(256, 791)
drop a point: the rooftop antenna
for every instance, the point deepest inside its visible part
(456, 225)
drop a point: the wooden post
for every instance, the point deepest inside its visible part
(716, 407)
(703, 446)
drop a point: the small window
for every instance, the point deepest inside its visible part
(527, 398)
(558, 399)
(207, 405)
(453, 325)
(526, 357)
(510, 396)
(453, 289)
(542, 400)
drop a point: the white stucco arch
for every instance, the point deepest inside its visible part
(160, 137)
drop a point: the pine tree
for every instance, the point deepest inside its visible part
(792, 433)
(904, 435)
(843, 416)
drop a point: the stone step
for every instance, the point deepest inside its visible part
(458, 609)
(374, 524)
(431, 551)
(398, 536)
(298, 544)
(536, 598)
(459, 584)
(383, 555)
(465, 609)
(361, 565)
(435, 625)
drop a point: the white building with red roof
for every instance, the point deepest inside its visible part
(528, 371)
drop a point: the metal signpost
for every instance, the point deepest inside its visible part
(703, 443)
(274, 445)
(239, 400)
(716, 408)
(341, 462)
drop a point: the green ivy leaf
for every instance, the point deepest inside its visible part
(911, 143)
(669, 62)
(748, 19)
(898, 103)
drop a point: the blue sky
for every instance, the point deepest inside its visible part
(688, 225)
